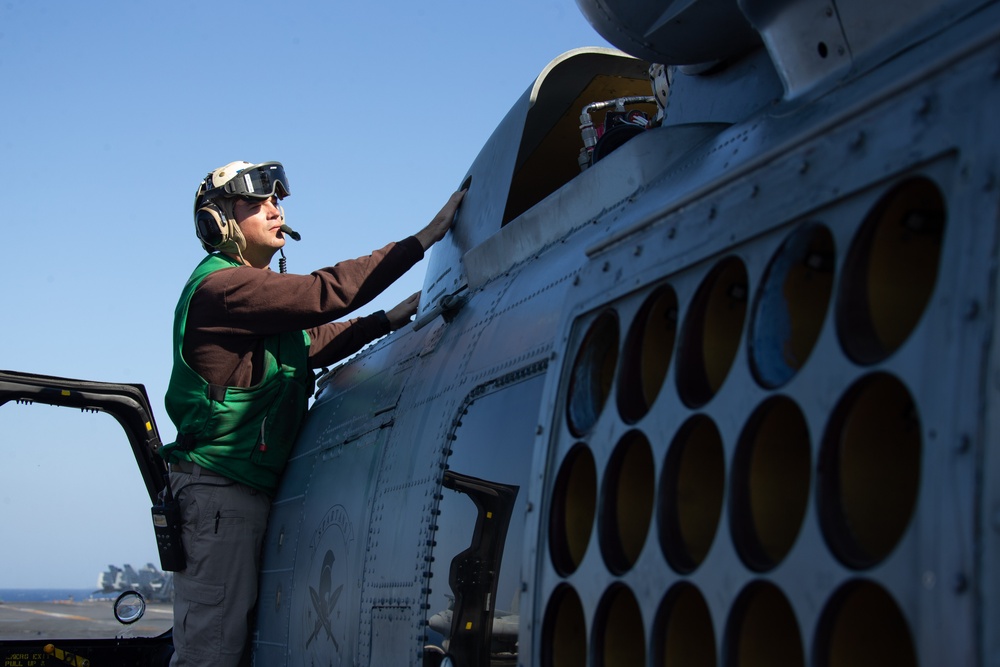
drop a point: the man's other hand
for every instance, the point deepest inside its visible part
(399, 315)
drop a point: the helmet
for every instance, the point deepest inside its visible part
(214, 220)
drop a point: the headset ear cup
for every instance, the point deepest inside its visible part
(211, 225)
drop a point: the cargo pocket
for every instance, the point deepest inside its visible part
(200, 615)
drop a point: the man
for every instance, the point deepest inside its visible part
(245, 339)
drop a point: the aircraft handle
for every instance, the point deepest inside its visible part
(447, 306)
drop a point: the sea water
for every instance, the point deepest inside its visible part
(46, 594)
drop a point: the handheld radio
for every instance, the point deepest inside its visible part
(167, 526)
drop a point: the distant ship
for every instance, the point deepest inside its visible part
(153, 584)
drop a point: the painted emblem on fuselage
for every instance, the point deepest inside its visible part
(324, 627)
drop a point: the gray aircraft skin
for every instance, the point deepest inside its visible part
(723, 397)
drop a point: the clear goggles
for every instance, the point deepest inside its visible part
(261, 181)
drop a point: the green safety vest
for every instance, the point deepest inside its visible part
(245, 434)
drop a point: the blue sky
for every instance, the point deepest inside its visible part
(111, 113)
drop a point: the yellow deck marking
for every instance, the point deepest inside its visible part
(50, 613)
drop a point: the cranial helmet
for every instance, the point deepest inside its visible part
(214, 220)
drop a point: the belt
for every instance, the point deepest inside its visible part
(191, 468)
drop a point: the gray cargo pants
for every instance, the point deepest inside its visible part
(214, 596)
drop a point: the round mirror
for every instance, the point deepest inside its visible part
(129, 607)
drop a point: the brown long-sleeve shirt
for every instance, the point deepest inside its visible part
(234, 309)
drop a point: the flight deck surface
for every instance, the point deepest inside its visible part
(84, 619)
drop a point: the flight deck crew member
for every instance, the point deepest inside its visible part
(245, 341)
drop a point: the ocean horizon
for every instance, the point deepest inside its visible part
(49, 594)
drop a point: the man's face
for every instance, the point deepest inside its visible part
(260, 221)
